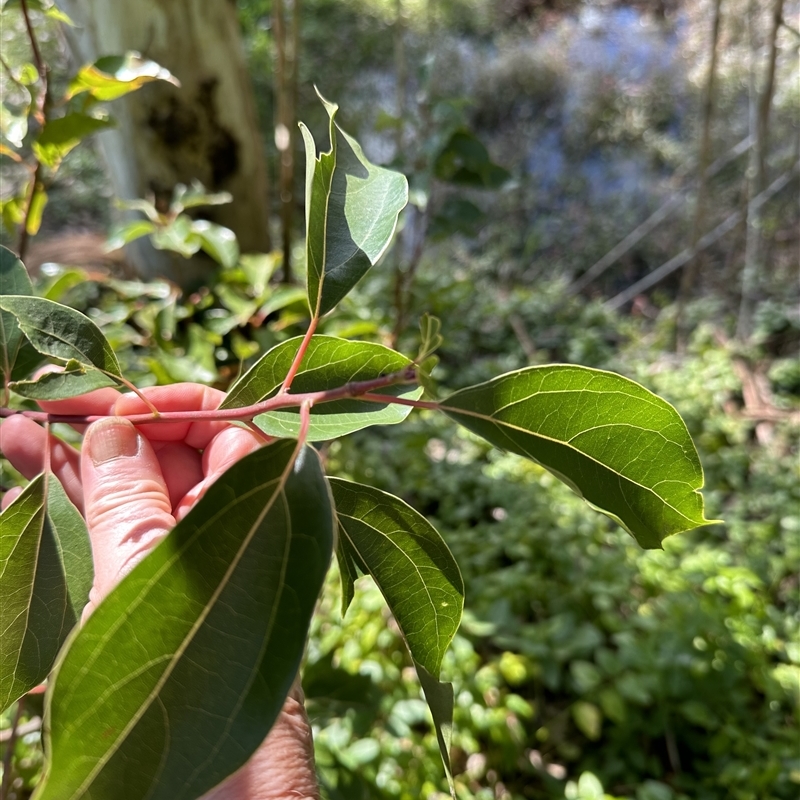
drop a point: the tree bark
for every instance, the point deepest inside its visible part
(205, 130)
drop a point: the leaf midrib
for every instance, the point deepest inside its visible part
(439, 651)
(563, 443)
(154, 693)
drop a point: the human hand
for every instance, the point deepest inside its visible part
(132, 485)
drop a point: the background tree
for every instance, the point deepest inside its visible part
(205, 130)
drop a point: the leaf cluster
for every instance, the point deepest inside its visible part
(212, 624)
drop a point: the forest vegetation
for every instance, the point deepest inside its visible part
(590, 182)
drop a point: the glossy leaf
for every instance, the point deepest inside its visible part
(73, 381)
(351, 214)
(62, 332)
(417, 575)
(45, 577)
(328, 364)
(622, 448)
(219, 242)
(114, 76)
(62, 134)
(13, 280)
(180, 672)
(128, 232)
(36, 209)
(410, 563)
(347, 573)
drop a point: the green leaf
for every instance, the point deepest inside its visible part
(439, 697)
(417, 575)
(177, 236)
(347, 573)
(588, 718)
(465, 161)
(127, 232)
(36, 209)
(622, 448)
(45, 577)
(351, 214)
(179, 674)
(219, 242)
(62, 332)
(114, 76)
(61, 135)
(410, 563)
(430, 336)
(328, 364)
(13, 280)
(73, 381)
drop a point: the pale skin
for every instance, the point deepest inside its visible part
(132, 484)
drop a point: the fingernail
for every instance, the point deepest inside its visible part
(111, 438)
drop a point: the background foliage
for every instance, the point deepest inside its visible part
(585, 667)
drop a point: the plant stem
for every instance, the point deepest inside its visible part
(42, 105)
(298, 359)
(137, 392)
(360, 389)
(10, 746)
(401, 401)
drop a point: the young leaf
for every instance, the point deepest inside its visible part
(410, 563)
(351, 213)
(111, 77)
(179, 674)
(127, 232)
(13, 280)
(62, 332)
(622, 448)
(73, 381)
(329, 363)
(45, 576)
(219, 242)
(62, 134)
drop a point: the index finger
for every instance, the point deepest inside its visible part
(177, 397)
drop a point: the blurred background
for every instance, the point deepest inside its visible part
(613, 184)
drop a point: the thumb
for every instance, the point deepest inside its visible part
(126, 501)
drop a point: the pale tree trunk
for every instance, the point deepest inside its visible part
(286, 25)
(205, 130)
(692, 269)
(760, 105)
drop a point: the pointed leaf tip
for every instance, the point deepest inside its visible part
(351, 214)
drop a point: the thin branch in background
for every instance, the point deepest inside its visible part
(690, 274)
(760, 105)
(42, 106)
(658, 216)
(287, 46)
(657, 275)
(7, 67)
(8, 756)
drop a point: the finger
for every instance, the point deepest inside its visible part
(9, 497)
(178, 397)
(99, 402)
(128, 510)
(181, 467)
(224, 450)
(23, 443)
(283, 766)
